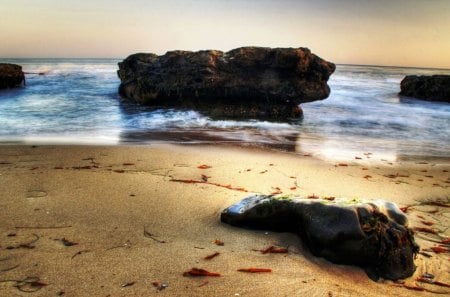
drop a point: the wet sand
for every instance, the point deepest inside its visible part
(110, 221)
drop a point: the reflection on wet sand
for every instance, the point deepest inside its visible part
(239, 137)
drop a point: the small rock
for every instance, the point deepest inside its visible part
(431, 88)
(11, 75)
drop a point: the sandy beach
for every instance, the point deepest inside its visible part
(110, 221)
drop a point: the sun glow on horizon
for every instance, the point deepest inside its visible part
(395, 33)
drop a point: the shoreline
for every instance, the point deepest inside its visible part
(372, 157)
(133, 225)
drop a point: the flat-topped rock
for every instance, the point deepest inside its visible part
(431, 88)
(11, 75)
(373, 235)
(247, 82)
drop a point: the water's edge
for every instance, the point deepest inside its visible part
(76, 102)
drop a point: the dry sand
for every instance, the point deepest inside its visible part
(103, 198)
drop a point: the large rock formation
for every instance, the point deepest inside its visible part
(11, 75)
(372, 235)
(244, 82)
(432, 88)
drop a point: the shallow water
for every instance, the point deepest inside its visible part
(76, 101)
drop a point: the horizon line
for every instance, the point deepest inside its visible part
(116, 58)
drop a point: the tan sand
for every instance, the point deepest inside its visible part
(103, 198)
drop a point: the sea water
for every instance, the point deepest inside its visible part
(76, 102)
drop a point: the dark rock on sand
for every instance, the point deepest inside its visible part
(373, 235)
(432, 88)
(244, 82)
(11, 75)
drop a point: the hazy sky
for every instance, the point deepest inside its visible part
(382, 32)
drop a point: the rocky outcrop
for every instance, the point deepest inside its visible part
(371, 235)
(431, 88)
(244, 82)
(11, 76)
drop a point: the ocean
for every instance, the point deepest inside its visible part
(76, 102)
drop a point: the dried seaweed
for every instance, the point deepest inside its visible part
(255, 270)
(26, 245)
(160, 285)
(274, 250)
(218, 242)
(425, 254)
(277, 191)
(152, 236)
(425, 230)
(414, 288)
(27, 285)
(203, 166)
(67, 242)
(209, 257)
(79, 253)
(439, 249)
(200, 272)
(202, 181)
(430, 281)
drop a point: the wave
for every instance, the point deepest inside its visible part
(77, 98)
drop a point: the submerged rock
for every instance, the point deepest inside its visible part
(432, 88)
(244, 82)
(372, 235)
(11, 75)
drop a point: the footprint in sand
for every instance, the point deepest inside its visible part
(36, 194)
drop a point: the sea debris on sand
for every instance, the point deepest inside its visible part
(209, 257)
(29, 284)
(206, 182)
(274, 250)
(67, 242)
(200, 272)
(152, 236)
(160, 285)
(255, 270)
(218, 242)
(204, 166)
(26, 245)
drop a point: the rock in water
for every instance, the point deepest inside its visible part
(432, 88)
(244, 82)
(372, 235)
(11, 75)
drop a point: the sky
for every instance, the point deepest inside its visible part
(413, 33)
